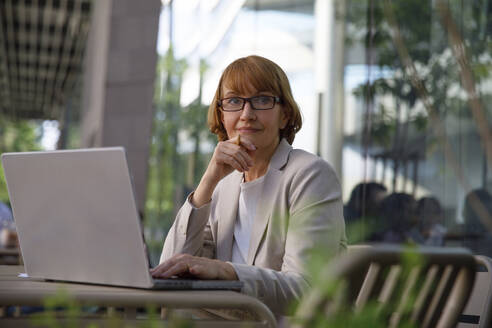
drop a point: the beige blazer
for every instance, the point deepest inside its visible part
(300, 208)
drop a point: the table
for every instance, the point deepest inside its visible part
(15, 291)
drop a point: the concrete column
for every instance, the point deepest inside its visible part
(329, 71)
(118, 85)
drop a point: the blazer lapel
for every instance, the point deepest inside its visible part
(267, 197)
(229, 196)
(263, 213)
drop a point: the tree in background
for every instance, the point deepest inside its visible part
(16, 136)
(173, 170)
(164, 161)
(396, 117)
(195, 119)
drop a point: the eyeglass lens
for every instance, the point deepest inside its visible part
(258, 102)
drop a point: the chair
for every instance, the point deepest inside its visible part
(10, 256)
(478, 310)
(426, 286)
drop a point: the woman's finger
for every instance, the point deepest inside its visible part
(230, 157)
(196, 270)
(247, 147)
(231, 161)
(246, 157)
(238, 153)
(247, 144)
(164, 266)
(176, 270)
(205, 269)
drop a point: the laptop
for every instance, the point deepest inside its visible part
(77, 220)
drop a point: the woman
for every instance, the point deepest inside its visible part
(260, 206)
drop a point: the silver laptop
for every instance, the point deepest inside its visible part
(77, 220)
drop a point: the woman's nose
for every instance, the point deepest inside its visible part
(248, 112)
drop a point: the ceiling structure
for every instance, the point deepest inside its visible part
(41, 50)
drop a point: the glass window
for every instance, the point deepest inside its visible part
(416, 148)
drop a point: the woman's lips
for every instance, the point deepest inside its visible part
(248, 130)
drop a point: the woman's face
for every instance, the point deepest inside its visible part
(261, 127)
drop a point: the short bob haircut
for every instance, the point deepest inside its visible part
(262, 75)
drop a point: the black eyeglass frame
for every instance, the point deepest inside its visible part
(276, 100)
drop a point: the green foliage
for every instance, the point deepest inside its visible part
(164, 162)
(4, 196)
(52, 305)
(367, 317)
(358, 231)
(16, 136)
(19, 135)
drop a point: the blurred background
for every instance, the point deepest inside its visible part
(396, 95)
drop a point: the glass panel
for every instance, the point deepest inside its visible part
(417, 122)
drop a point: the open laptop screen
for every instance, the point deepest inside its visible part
(76, 216)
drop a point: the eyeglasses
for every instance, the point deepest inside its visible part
(235, 104)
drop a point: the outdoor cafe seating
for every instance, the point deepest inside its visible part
(429, 287)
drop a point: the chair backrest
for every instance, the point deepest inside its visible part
(478, 310)
(426, 286)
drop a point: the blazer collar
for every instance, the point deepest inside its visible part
(281, 155)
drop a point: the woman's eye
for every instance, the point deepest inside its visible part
(234, 101)
(263, 100)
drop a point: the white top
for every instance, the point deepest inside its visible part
(248, 199)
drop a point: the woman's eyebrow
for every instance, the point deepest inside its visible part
(230, 94)
(238, 94)
(265, 92)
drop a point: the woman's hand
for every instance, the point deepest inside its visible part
(229, 155)
(199, 267)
